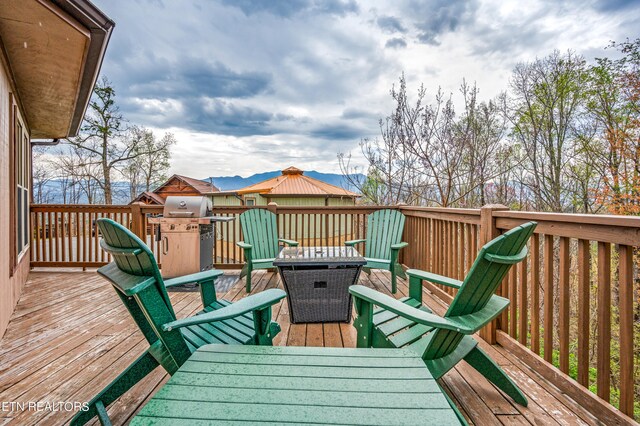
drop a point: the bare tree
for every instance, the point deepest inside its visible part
(42, 175)
(483, 128)
(104, 139)
(149, 169)
(427, 155)
(78, 174)
(547, 96)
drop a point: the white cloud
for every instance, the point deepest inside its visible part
(248, 86)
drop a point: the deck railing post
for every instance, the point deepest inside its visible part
(489, 231)
(137, 222)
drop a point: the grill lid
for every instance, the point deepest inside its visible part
(186, 206)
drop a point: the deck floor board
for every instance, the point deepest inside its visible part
(70, 336)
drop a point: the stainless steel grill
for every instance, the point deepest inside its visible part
(187, 235)
(186, 207)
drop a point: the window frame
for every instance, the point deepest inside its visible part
(20, 184)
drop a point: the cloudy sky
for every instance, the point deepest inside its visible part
(256, 85)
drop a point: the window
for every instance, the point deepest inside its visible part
(21, 176)
(250, 201)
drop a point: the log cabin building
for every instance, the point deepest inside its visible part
(176, 185)
(50, 57)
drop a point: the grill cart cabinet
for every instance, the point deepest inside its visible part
(187, 235)
(317, 281)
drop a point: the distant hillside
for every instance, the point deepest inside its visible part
(226, 183)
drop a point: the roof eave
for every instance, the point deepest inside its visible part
(270, 195)
(100, 27)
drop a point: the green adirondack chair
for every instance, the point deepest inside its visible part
(136, 278)
(384, 232)
(444, 341)
(261, 242)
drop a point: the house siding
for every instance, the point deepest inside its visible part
(226, 200)
(10, 284)
(284, 201)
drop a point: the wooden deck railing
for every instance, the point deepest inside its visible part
(67, 235)
(574, 315)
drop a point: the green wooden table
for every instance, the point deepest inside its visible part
(233, 384)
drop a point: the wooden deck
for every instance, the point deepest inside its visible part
(61, 348)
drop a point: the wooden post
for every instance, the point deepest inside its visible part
(488, 232)
(137, 222)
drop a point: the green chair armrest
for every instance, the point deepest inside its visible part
(465, 324)
(193, 278)
(354, 242)
(251, 303)
(507, 260)
(291, 243)
(399, 246)
(397, 307)
(243, 245)
(434, 278)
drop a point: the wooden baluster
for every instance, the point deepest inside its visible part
(77, 236)
(327, 221)
(513, 307)
(523, 305)
(427, 237)
(453, 251)
(503, 320)
(63, 239)
(584, 307)
(35, 251)
(603, 345)
(56, 242)
(69, 236)
(94, 230)
(535, 293)
(440, 269)
(51, 231)
(548, 298)
(89, 236)
(563, 319)
(461, 251)
(626, 298)
(86, 233)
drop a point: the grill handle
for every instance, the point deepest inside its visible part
(180, 214)
(165, 245)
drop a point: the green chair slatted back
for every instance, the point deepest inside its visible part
(484, 277)
(384, 228)
(131, 255)
(259, 229)
(134, 267)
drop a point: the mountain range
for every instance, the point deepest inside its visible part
(53, 189)
(226, 183)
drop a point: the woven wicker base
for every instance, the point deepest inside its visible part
(319, 295)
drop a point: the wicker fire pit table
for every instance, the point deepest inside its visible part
(317, 281)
